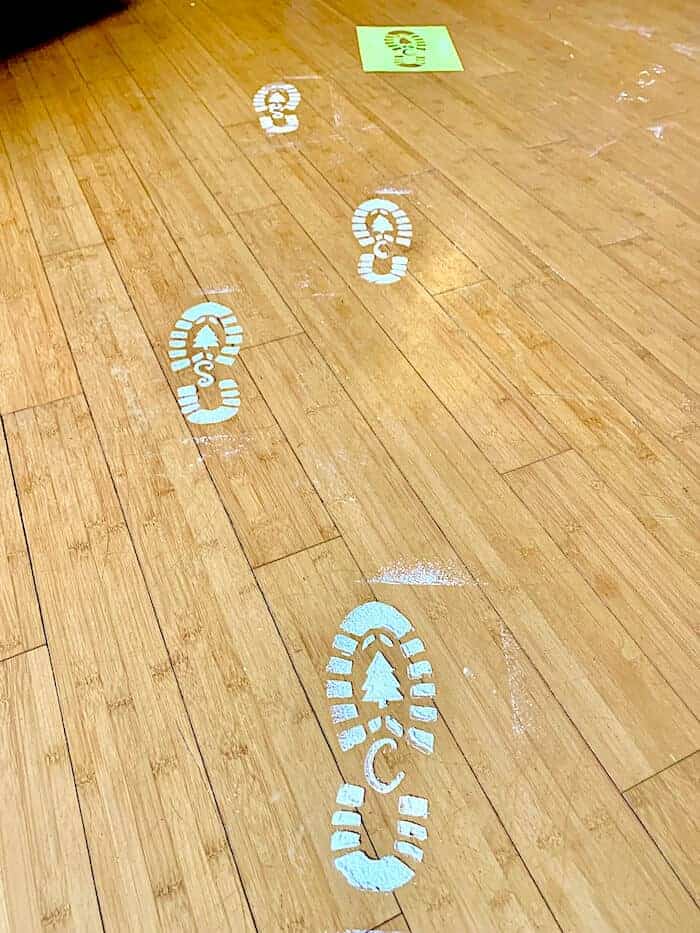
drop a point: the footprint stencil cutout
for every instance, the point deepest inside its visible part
(276, 104)
(204, 339)
(383, 225)
(408, 48)
(367, 724)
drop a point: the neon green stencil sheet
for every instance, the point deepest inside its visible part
(407, 48)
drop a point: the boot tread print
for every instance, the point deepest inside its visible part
(194, 343)
(381, 224)
(408, 48)
(275, 104)
(366, 633)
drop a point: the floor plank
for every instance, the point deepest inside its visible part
(37, 366)
(664, 803)
(20, 622)
(159, 851)
(45, 876)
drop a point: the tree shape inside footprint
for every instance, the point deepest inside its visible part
(206, 339)
(381, 685)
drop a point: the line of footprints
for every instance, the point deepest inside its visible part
(204, 344)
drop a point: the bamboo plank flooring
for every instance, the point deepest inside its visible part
(502, 445)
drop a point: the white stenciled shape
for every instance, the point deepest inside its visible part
(194, 343)
(383, 225)
(366, 631)
(275, 103)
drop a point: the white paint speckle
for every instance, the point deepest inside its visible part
(594, 152)
(421, 573)
(688, 50)
(646, 32)
(468, 673)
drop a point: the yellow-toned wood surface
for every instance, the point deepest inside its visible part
(45, 878)
(502, 444)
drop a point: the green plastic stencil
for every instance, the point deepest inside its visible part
(407, 48)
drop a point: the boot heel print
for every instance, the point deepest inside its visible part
(195, 343)
(276, 103)
(381, 224)
(363, 634)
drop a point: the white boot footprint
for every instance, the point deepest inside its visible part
(194, 342)
(276, 103)
(369, 627)
(381, 224)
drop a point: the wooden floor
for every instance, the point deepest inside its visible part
(516, 417)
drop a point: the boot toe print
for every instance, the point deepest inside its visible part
(275, 103)
(368, 636)
(383, 225)
(205, 338)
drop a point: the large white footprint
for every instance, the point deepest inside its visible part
(275, 103)
(381, 224)
(205, 336)
(363, 634)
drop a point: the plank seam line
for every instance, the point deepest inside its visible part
(524, 466)
(49, 401)
(301, 550)
(650, 777)
(19, 654)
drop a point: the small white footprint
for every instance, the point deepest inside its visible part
(195, 343)
(381, 224)
(276, 103)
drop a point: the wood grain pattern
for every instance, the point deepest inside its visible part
(36, 364)
(664, 803)
(20, 623)
(159, 851)
(516, 717)
(45, 878)
(239, 687)
(516, 416)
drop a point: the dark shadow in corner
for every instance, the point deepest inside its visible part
(35, 24)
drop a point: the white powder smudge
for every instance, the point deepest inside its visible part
(646, 32)
(392, 191)
(687, 50)
(519, 704)
(625, 95)
(468, 673)
(419, 574)
(121, 375)
(223, 445)
(221, 290)
(594, 152)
